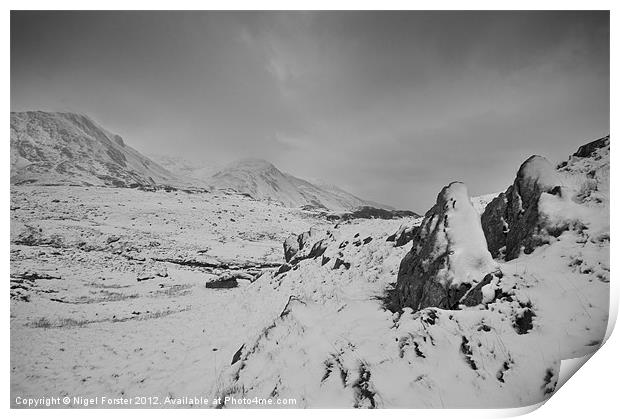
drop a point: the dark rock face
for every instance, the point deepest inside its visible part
(237, 356)
(226, 283)
(449, 255)
(494, 223)
(403, 236)
(317, 249)
(475, 296)
(284, 268)
(512, 220)
(307, 245)
(296, 247)
(588, 149)
(372, 212)
(340, 262)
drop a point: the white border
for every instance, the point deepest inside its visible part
(592, 392)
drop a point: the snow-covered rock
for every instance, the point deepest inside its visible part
(404, 234)
(449, 254)
(501, 348)
(512, 221)
(309, 244)
(323, 336)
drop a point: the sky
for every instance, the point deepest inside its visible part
(390, 106)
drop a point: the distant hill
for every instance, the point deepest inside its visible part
(71, 149)
(260, 179)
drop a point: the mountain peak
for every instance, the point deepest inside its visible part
(262, 180)
(251, 164)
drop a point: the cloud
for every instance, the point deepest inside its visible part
(392, 105)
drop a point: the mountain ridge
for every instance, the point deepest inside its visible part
(60, 148)
(63, 148)
(261, 179)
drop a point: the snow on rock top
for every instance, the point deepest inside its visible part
(449, 254)
(536, 174)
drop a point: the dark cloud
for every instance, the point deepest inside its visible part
(392, 105)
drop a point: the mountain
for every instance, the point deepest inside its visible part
(70, 149)
(52, 148)
(262, 180)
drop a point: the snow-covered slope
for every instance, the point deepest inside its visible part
(336, 318)
(262, 180)
(70, 149)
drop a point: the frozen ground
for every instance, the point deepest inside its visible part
(108, 298)
(82, 323)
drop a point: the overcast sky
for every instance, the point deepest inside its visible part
(388, 105)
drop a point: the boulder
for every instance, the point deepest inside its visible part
(283, 268)
(589, 149)
(403, 236)
(222, 283)
(291, 247)
(318, 249)
(512, 221)
(339, 262)
(449, 256)
(230, 279)
(309, 244)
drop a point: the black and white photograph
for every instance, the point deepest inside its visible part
(235, 209)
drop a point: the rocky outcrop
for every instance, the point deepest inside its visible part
(589, 149)
(403, 236)
(512, 222)
(449, 255)
(52, 148)
(297, 246)
(308, 245)
(367, 212)
(291, 247)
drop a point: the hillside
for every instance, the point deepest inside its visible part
(477, 311)
(70, 149)
(262, 180)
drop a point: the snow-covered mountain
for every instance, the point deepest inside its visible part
(53, 148)
(262, 180)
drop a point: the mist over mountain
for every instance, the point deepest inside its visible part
(50, 148)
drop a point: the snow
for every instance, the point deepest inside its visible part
(470, 259)
(540, 170)
(92, 328)
(83, 324)
(356, 353)
(71, 149)
(262, 180)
